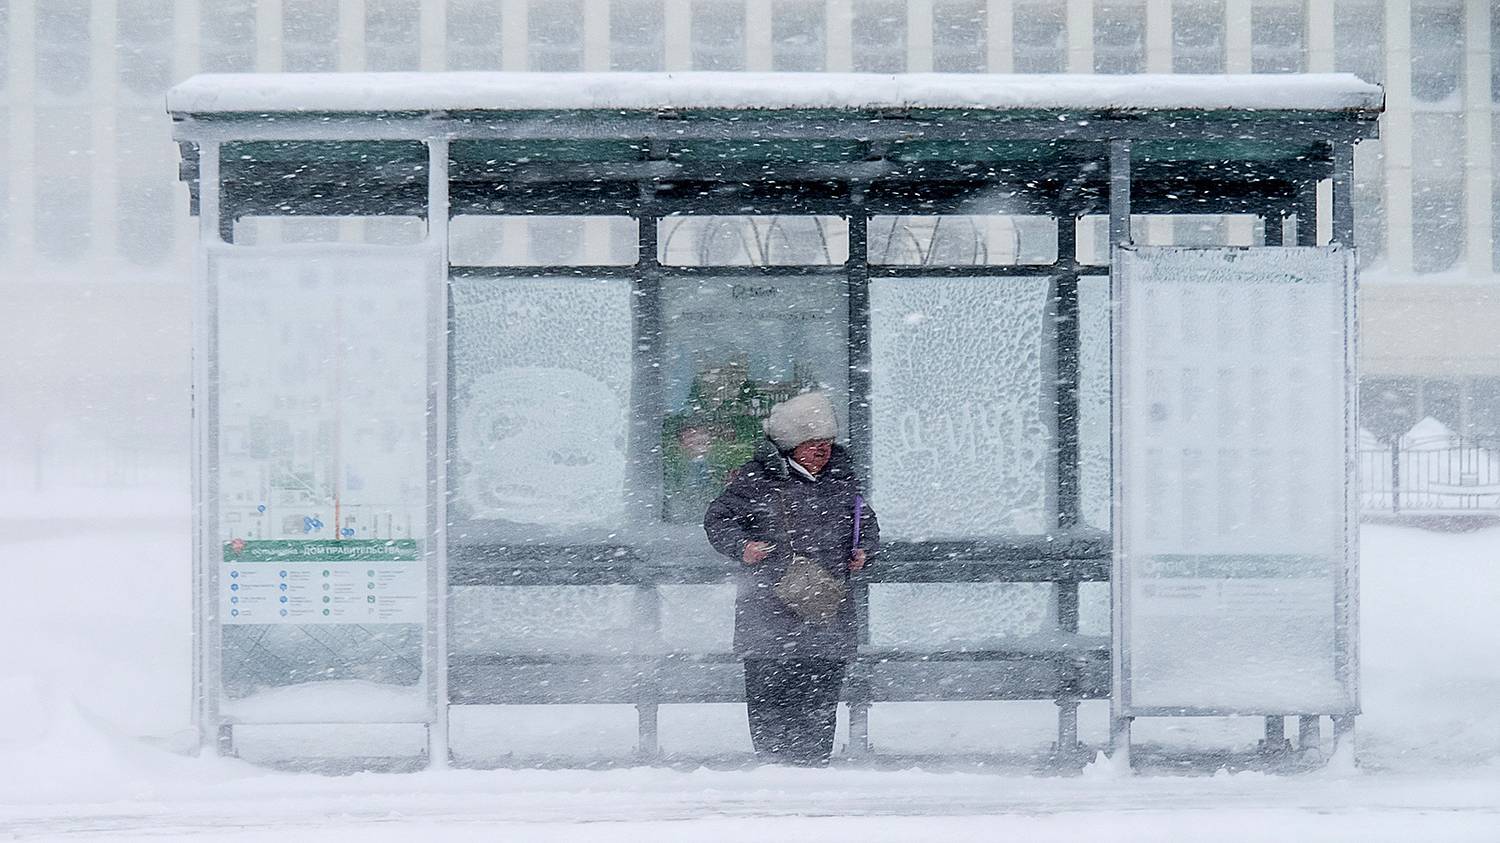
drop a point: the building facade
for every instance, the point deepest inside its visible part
(96, 238)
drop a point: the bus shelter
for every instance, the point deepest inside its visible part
(474, 351)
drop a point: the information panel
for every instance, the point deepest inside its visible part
(1234, 550)
(319, 483)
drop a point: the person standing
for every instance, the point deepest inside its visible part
(795, 520)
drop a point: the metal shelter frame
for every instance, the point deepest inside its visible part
(757, 159)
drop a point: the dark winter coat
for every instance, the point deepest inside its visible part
(770, 502)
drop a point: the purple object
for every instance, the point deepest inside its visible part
(859, 517)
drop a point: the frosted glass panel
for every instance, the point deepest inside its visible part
(1094, 477)
(541, 397)
(961, 445)
(1232, 409)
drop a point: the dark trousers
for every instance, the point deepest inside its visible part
(793, 706)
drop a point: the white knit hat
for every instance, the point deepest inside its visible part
(799, 419)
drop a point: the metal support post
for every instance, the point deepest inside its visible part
(1343, 732)
(1275, 742)
(438, 212)
(1119, 235)
(1067, 702)
(1309, 732)
(648, 695)
(1274, 236)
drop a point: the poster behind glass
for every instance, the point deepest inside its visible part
(733, 347)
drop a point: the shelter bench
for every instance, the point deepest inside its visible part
(1060, 664)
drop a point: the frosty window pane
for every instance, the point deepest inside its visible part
(1234, 511)
(718, 34)
(732, 349)
(1198, 36)
(636, 35)
(473, 35)
(961, 445)
(1094, 474)
(753, 241)
(879, 36)
(962, 240)
(541, 395)
(958, 36)
(1040, 37)
(930, 617)
(1119, 36)
(322, 469)
(799, 35)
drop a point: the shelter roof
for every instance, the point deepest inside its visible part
(426, 92)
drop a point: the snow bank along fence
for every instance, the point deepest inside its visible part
(456, 454)
(1430, 475)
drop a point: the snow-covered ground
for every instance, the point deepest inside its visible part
(95, 678)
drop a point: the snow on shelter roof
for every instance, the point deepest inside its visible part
(405, 92)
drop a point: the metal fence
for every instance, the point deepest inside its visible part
(1438, 475)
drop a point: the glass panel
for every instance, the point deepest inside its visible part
(974, 616)
(541, 379)
(1232, 417)
(733, 348)
(542, 241)
(322, 475)
(753, 241)
(1094, 457)
(963, 240)
(961, 443)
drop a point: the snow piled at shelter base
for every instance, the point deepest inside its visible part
(473, 91)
